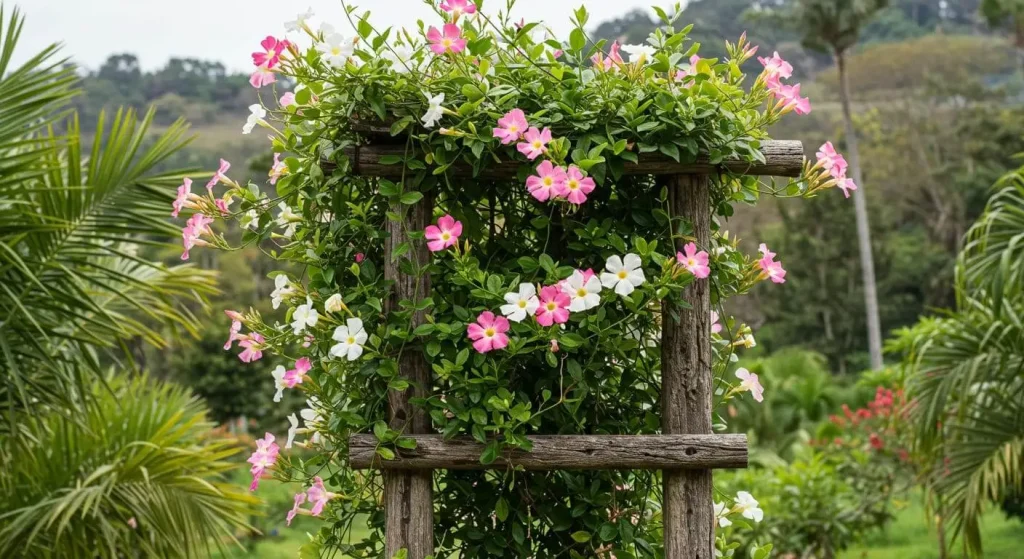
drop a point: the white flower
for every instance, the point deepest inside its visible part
(249, 219)
(721, 513)
(288, 219)
(434, 112)
(748, 341)
(311, 417)
(336, 49)
(624, 274)
(256, 115)
(350, 338)
(327, 29)
(747, 505)
(401, 59)
(639, 53)
(279, 384)
(522, 304)
(304, 316)
(292, 430)
(300, 20)
(282, 289)
(585, 294)
(334, 303)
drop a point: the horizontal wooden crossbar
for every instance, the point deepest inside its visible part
(783, 158)
(562, 452)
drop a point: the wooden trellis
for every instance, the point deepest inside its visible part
(686, 451)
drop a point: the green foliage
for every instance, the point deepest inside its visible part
(140, 453)
(800, 392)
(965, 370)
(70, 227)
(815, 506)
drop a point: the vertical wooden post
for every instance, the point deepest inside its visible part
(408, 498)
(686, 389)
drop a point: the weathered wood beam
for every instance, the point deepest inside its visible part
(783, 158)
(408, 496)
(562, 452)
(687, 384)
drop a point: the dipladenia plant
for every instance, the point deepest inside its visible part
(545, 308)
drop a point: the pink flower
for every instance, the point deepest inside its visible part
(360, 257)
(488, 333)
(236, 327)
(278, 169)
(449, 41)
(288, 99)
(295, 376)
(300, 498)
(196, 226)
(458, 7)
(715, 326)
(261, 77)
(554, 306)
(554, 346)
(262, 459)
(847, 186)
(577, 187)
(511, 127)
(695, 262)
(750, 383)
(220, 175)
(318, 496)
(271, 53)
(133, 523)
(253, 344)
(608, 62)
(790, 97)
(690, 71)
(549, 182)
(184, 193)
(770, 267)
(776, 66)
(443, 235)
(222, 205)
(536, 143)
(832, 161)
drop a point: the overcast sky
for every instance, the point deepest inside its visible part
(228, 30)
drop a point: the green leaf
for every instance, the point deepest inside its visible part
(581, 536)
(577, 40)
(410, 198)
(501, 509)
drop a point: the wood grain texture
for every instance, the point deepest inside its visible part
(686, 389)
(783, 158)
(563, 452)
(408, 496)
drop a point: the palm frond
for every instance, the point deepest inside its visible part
(142, 452)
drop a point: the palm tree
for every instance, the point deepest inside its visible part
(87, 454)
(138, 471)
(73, 290)
(834, 26)
(966, 371)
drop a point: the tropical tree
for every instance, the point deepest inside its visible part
(137, 471)
(834, 26)
(93, 464)
(73, 288)
(967, 371)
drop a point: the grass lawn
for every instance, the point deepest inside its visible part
(910, 537)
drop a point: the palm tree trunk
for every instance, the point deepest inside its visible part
(867, 261)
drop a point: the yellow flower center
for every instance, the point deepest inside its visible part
(581, 292)
(446, 236)
(574, 184)
(447, 43)
(271, 53)
(336, 51)
(548, 181)
(623, 274)
(522, 304)
(537, 144)
(691, 262)
(513, 129)
(552, 307)
(489, 332)
(351, 340)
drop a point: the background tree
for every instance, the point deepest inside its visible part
(834, 26)
(1011, 13)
